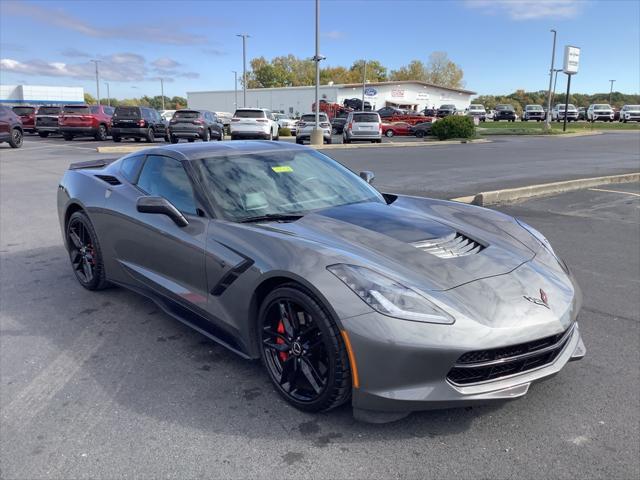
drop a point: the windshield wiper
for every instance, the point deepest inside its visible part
(273, 217)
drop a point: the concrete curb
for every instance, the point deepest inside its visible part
(514, 194)
(542, 135)
(336, 146)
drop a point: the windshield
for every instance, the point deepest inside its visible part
(312, 117)
(249, 114)
(366, 118)
(48, 111)
(447, 107)
(504, 107)
(476, 107)
(632, 107)
(23, 110)
(537, 108)
(79, 110)
(601, 107)
(282, 182)
(571, 107)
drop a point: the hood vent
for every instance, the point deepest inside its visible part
(453, 245)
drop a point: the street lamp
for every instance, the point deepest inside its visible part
(555, 80)
(97, 80)
(611, 91)
(108, 94)
(364, 80)
(316, 133)
(235, 87)
(553, 57)
(162, 91)
(244, 67)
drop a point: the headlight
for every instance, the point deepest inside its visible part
(389, 297)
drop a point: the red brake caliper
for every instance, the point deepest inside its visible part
(283, 355)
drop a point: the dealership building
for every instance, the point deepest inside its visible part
(411, 95)
(40, 95)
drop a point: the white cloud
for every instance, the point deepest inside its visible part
(165, 63)
(528, 9)
(138, 32)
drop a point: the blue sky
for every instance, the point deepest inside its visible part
(502, 45)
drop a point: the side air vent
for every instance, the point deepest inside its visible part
(111, 180)
(453, 245)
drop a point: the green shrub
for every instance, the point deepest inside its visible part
(284, 132)
(454, 126)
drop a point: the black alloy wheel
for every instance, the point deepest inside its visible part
(303, 350)
(84, 252)
(206, 135)
(16, 138)
(101, 134)
(150, 136)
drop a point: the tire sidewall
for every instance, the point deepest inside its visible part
(99, 277)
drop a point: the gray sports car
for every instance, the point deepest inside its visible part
(391, 302)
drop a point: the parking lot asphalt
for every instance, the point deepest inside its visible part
(103, 385)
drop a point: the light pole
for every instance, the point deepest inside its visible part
(108, 94)
(97, 80)
(364, 80)
(235, 87)
(162, 91)
(316, 134)
(244, 67)
(555, 80)
(611, 91)
(553, 57)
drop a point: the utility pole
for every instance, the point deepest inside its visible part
(553, 57)
(97, 80)
(244, 67)
(364, 80)
(316, 134)
(611, 91)
(108, 95)
(235, 87)
(162, 91)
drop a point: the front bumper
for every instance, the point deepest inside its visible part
(604, 116)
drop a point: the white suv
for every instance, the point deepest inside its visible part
(630, 113)
(600, 111)
(557, 113)
(308, 122)
(253, 123)
(362, 126)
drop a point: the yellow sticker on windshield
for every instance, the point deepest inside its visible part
(282, 169)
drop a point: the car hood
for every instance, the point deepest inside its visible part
(388, 237)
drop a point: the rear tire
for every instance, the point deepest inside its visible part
(173, 139)
(206, 135)
(43, 134)
(85, 253)
(191, 140)
(389, 133)
(16, 138)
(150, 136)
(318, 377)
(419, 134)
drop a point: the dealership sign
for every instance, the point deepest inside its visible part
(422, 96)
(370, 92)
(397, 92)
(571, 60)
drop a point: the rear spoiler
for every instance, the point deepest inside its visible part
(99, 163)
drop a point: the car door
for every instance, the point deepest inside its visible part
(155, 252)
(4, 123)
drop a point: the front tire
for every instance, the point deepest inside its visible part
(303, 351)
(389, 133)
(206, 135)
(85, 253)
(16, 138)
(174, 139)
(116, 139)
(101, 134)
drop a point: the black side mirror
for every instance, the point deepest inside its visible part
(367, 176)
(163, 206)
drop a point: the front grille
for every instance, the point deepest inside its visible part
(453, 245)
(485, 365)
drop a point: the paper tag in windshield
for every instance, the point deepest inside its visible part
(282, 169)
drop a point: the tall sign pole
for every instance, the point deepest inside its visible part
(570, 67)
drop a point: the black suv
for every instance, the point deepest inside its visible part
(138, 123)
(192, 124)
(10, 128)
(47, 120)
(356, 104)
(504, 112)
(446, 110)
(386, 112)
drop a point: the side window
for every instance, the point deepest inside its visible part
(94, 109)
(166, 177)
(130, 167)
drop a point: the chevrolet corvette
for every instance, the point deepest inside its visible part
(393, 303)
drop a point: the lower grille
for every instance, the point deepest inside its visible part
(485, 365)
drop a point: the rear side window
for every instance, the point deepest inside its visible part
(186, 114)
(130, 167)
(94, 109)
(249, 114)
(77, 110)
(127, 112)
(48, 111)
(23, 110)
(366, 118)
(312, 118)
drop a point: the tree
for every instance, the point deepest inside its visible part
(376, 72)
(89, 99)
(442, 71)
(414, 71)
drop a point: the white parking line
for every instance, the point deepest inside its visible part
(614, 191)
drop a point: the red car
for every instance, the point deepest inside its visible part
(396, 128)
(28, 117)
(85, 121)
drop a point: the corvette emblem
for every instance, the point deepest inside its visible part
(543, 301)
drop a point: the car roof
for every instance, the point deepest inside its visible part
(195, 151)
